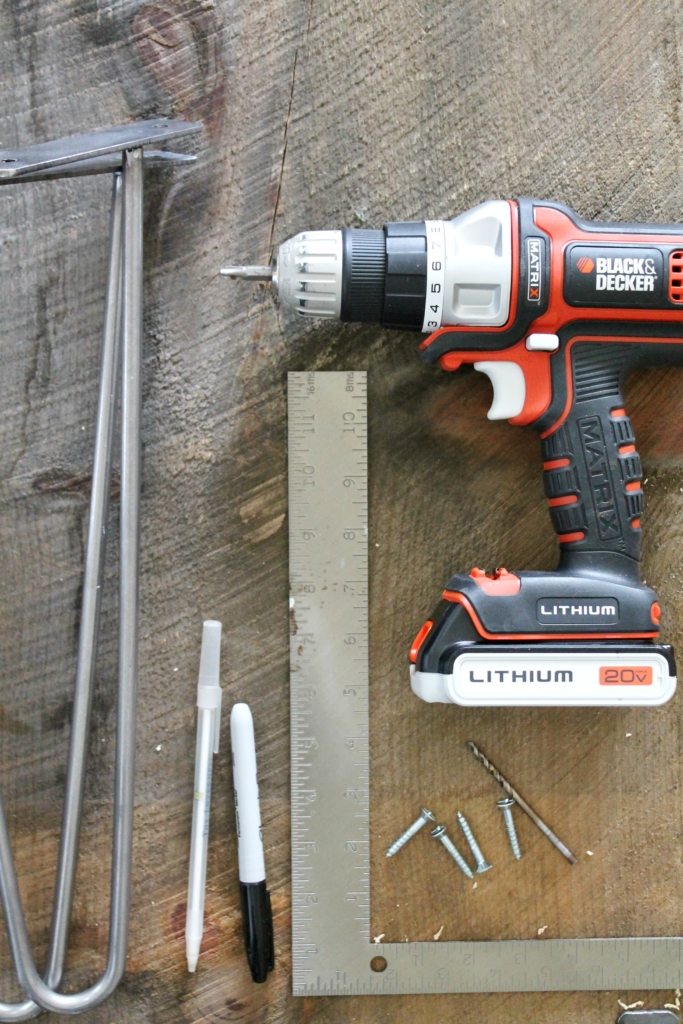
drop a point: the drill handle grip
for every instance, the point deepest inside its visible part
(592, 472)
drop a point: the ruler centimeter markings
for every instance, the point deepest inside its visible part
(330, 760)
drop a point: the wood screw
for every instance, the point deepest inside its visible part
(482, 863)
(425, 816)
(506, 807)
(440, 833)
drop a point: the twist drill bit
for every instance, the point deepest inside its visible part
(511, 791)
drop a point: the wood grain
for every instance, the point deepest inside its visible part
(318, 115)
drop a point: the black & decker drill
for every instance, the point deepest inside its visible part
(557, 311)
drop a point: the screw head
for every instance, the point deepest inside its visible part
(438, 831)
(427, 814)
(506, 802)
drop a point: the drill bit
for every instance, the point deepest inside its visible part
(547, 832)
(250, 273)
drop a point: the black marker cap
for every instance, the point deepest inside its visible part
(257, 917)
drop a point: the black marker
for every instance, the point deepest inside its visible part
(257, 914)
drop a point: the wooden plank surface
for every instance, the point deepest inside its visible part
(318, 115)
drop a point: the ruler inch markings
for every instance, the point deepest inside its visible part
(331, 948)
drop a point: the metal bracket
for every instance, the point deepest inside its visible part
(648, 1017)
(110, 163)
(17, 162)
(119, 151)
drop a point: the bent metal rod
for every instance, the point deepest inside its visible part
(118, 151)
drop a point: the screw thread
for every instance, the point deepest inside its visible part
(408, 834)
(482, 863)
(512, 832)
(456, 855)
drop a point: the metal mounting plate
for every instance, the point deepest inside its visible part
(331, 948)
(648, 1017)
(106, 164)
(15, 162)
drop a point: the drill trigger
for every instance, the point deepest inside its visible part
(509, 387)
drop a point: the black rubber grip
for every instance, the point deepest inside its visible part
(592, 472)
(406, 281)
(384, 277)
(363, 276)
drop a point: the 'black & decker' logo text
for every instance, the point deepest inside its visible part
(625, 275)
(629, 276)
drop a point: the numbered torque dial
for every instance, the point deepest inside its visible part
(436, 263)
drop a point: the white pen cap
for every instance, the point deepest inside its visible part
(209, 693)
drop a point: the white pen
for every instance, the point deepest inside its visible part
(257, 915)
(209, 696)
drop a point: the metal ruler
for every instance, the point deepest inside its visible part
(332, 953)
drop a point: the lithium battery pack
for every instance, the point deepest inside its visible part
(552, 674)
(543, 639)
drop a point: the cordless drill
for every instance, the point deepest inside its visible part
(557, 311)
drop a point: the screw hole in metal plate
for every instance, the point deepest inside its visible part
(9, 160)
(162, 124)
(378, 964)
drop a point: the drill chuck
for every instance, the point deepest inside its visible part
(416, 275)
(308, 274)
